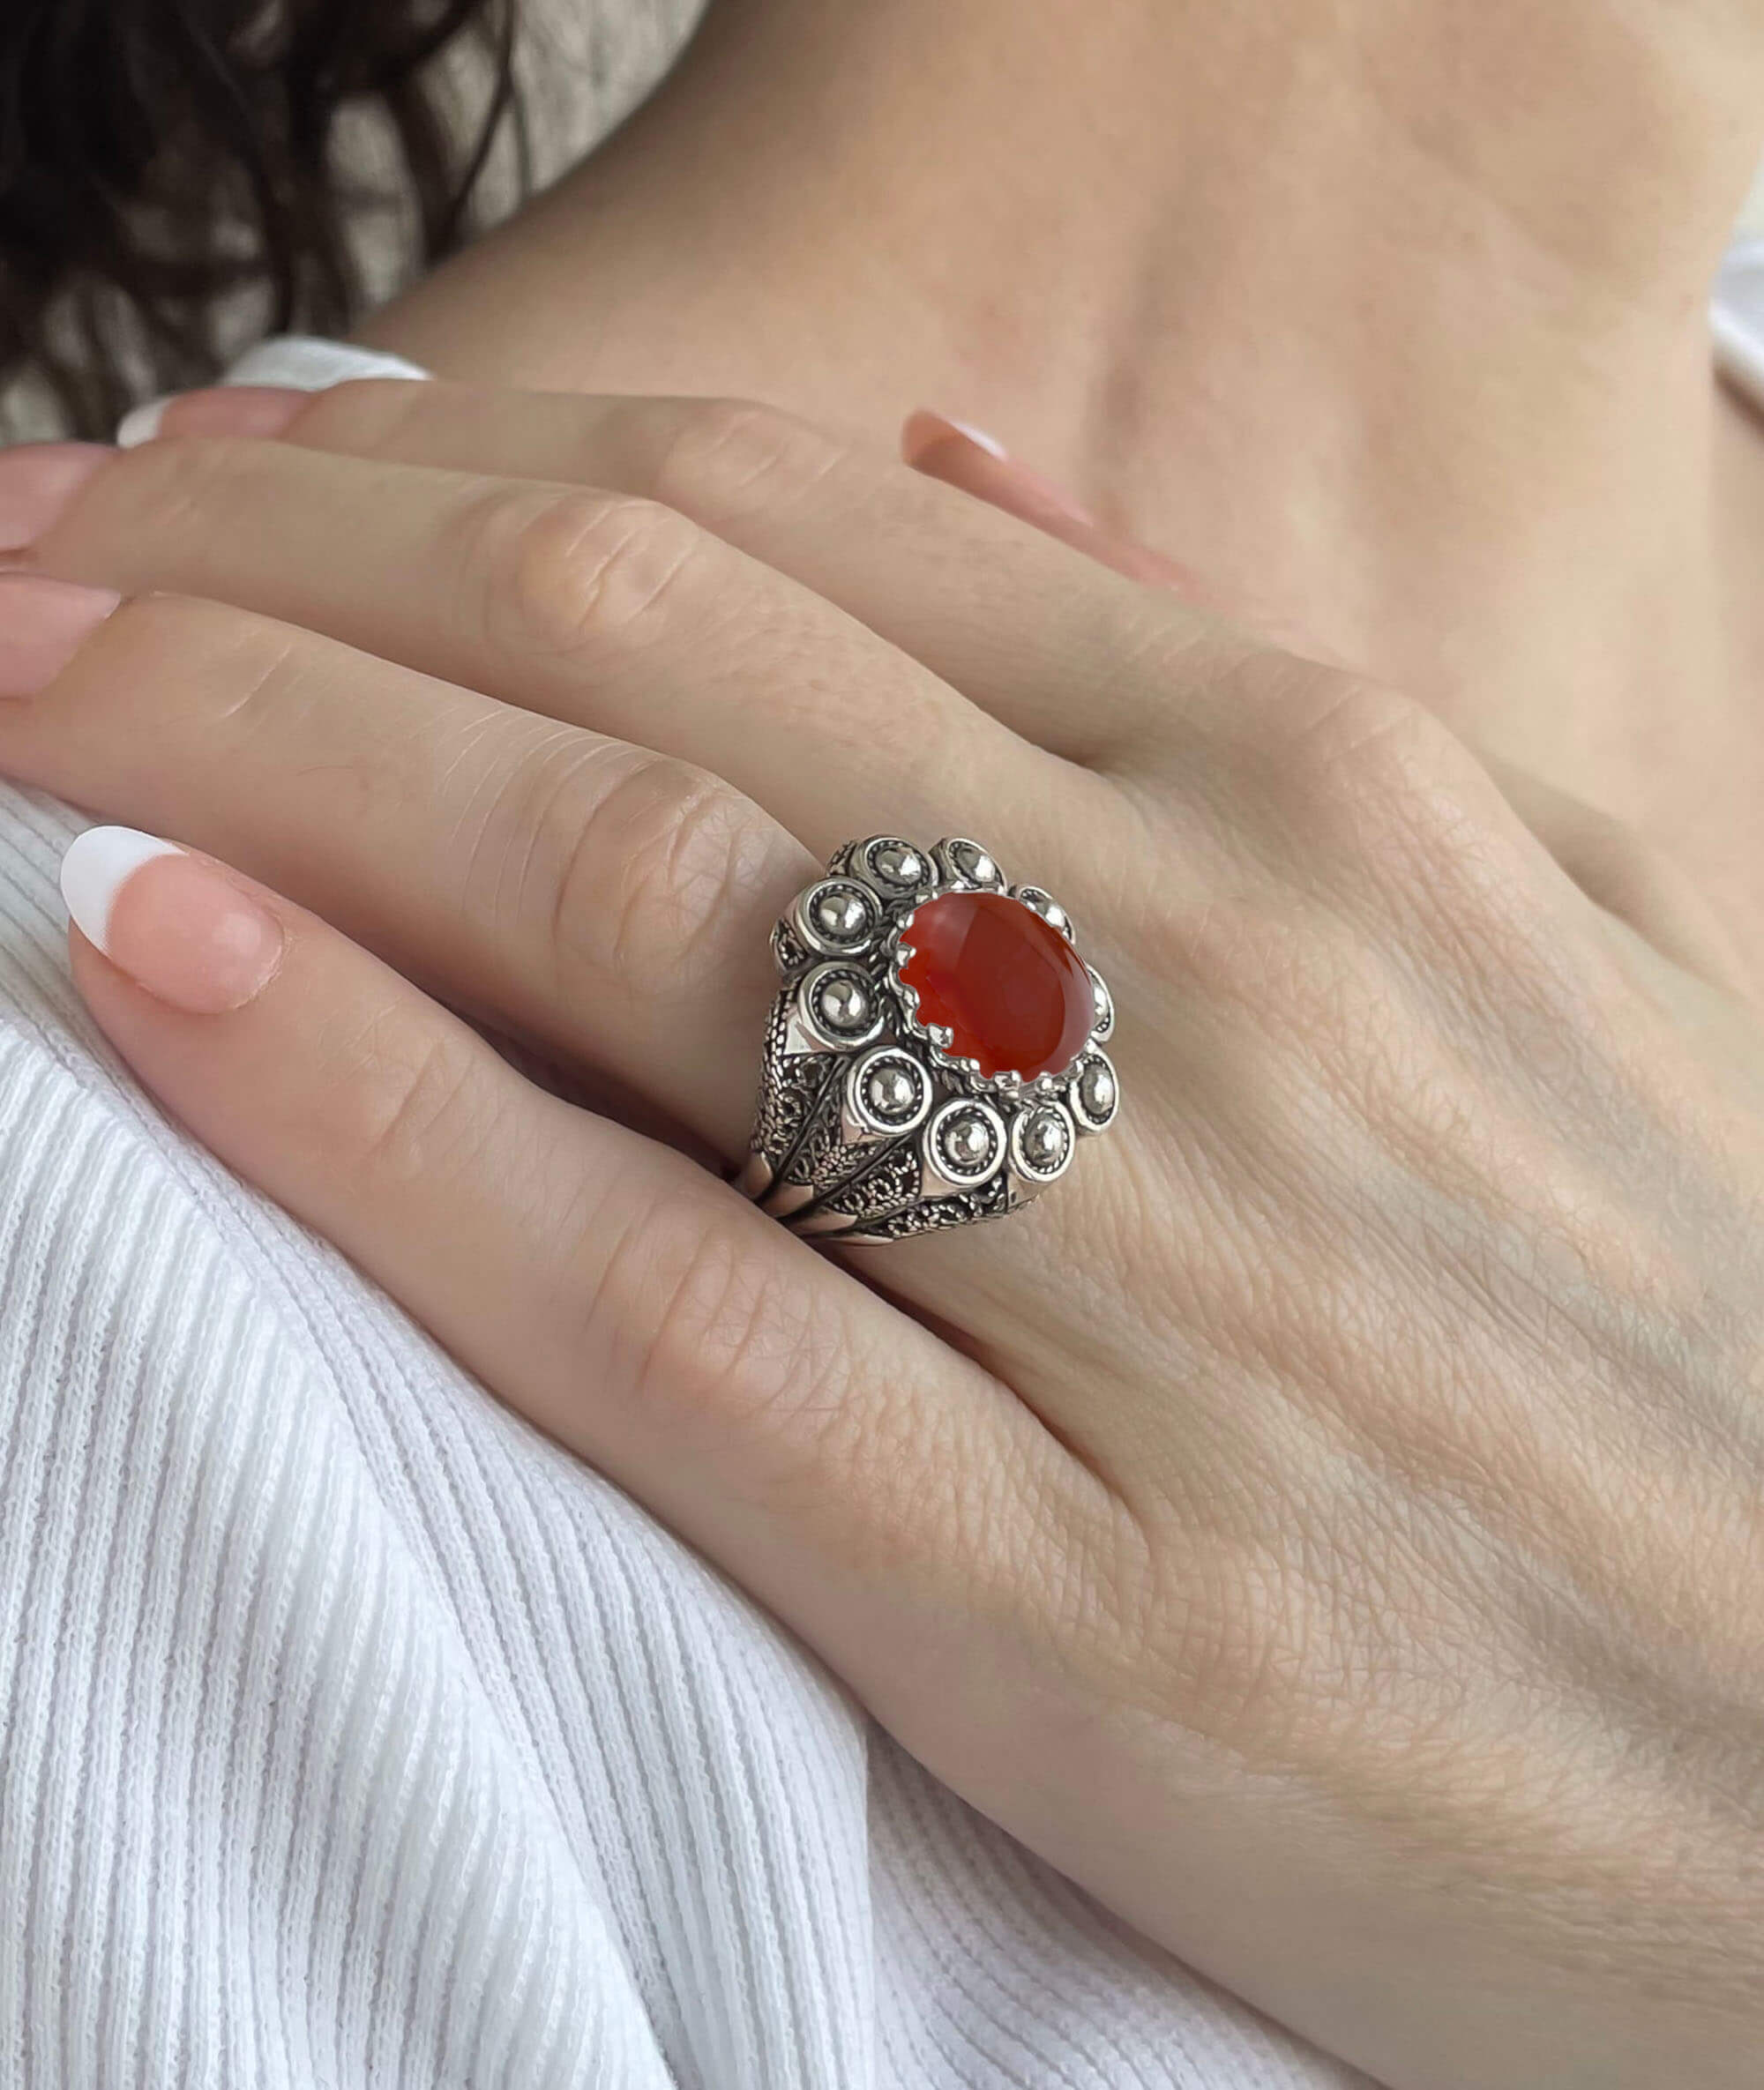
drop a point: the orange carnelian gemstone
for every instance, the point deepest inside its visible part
(1008, 984)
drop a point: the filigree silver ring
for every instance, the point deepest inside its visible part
(935, 1053)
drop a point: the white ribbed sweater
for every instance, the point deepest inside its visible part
(353, 1736)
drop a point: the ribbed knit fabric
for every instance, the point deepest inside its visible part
(353, 1736)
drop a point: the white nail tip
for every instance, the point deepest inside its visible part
(991, 444)
(98, 864)
(302, 362)
(140, 424)
(291, 362)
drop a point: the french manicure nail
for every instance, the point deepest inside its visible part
(967, 457)
(177, 924)
(991, 444)
(924, 430)
(140, 424)
(43, 623)
(37, 483)
(258, 411)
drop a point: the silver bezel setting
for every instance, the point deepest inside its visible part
(1105, 1007)
(1088, 1114)
(826, 1159)
(965, 867)
(961, 1115)
(1025, 1126)
(816, 987)
(1048, 907)
(804, 917)
(893, 865)
(869, 1118)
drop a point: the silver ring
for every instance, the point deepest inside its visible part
(935, 1053)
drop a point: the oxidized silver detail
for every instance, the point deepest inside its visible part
(891, 864)
(887, 1093)
(1044, 1139)
(966, 1144)
(1047, 907)
(1105, 1006)
(838, 917)
(964, 866)
(868, 1129)
(840, 1007)
(1095, 1094)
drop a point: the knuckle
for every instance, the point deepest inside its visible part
(740, 1344)
(689, 858)
(730, 458)
(723, 1332)
(1335, 739)
(1268, 1641)
(168, 492)
(577, 577)
(738, 1326)
(411, 1100)
(1361, 775)
(363, 415)
(213, 665)
(648, 869)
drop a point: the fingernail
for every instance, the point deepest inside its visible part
(37, 482)
(261, 411)
(43, 623)
(924, 430)
(140, 424)
(177, 924)
(967, 457)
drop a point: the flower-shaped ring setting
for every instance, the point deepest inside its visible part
(935, 1053)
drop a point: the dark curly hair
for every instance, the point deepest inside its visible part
(159, 159)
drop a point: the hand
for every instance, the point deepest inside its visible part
(1328, 1526)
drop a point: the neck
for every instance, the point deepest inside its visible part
(1384, 322)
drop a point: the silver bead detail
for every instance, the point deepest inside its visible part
(841, 915)
(843, 1006)
(1105, 1006)
(1096, 1090)
(898, 865)
(969, 1141)
(890, 1092)
(1043, 1141)
(1042, 903)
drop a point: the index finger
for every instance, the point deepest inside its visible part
(1032, 630)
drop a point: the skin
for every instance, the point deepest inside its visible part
(1328, 1528)
(1385, 323)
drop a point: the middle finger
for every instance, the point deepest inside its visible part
(605, 610)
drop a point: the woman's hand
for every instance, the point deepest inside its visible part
(1330, 1526)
